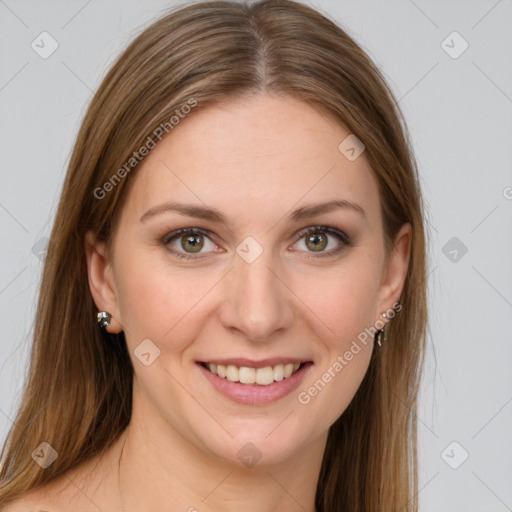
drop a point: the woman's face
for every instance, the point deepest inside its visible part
(278, 281)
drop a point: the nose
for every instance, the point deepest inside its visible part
(258, 305)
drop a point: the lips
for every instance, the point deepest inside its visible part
(255, 382)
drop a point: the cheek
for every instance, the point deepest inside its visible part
(141, 299)
(345, 302)
(157, 300)
(344, 299)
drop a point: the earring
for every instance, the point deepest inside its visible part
(381, 335)
(104, 319)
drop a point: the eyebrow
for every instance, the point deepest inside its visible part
(214, 215)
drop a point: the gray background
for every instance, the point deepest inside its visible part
(459, 114)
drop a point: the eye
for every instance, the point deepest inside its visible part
(189, 242)
(184, 243)
(317, 239)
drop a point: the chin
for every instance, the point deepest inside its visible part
(267, 442)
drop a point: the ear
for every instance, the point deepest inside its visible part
(395, 270)
(101, 282)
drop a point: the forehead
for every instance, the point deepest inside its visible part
(256, 155)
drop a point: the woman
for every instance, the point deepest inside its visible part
(233, 308)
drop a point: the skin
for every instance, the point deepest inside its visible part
(254, 159)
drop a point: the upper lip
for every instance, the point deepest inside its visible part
(251, 363)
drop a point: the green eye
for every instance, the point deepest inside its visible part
(184, 243)
(187, 242)
(194, 243)
(318, 238)
(316, 241)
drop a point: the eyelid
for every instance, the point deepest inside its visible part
(165, 241)
(183, 231)
(324, 229)
(346, 241)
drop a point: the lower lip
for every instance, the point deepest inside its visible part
(255, 394)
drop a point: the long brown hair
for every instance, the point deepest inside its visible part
(78, 390)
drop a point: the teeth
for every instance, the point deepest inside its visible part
(278, 373)
(262, 376)
(265, 376)
(232, 373)
(247, 375)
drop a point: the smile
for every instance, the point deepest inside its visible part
(255, 382)
(248, 375)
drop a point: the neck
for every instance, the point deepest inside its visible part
(159, 467)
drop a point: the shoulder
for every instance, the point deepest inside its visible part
(54, 496)
(33, 501)
(88, 487)
(60, 494)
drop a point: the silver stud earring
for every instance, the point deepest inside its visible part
(104, 319)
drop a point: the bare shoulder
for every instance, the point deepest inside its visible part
(25, 505)
(77, 489)
(88, 487)
(33, 501)
(55, 496)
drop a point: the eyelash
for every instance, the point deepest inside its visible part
(345, 240)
